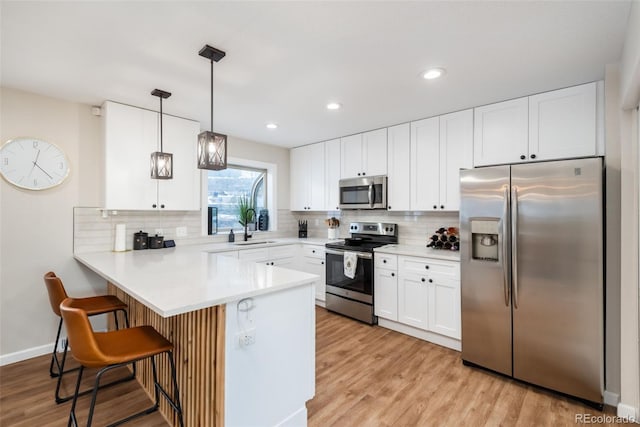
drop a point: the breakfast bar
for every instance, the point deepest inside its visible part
(244, 332)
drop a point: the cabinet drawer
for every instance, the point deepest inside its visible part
(313, 251)
(431, 267)
(389, 262)
(278, 252)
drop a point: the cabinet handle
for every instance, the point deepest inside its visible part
(522, 157)
(321, 262)
(313, 251)
(358, 173)
(435, 207)
(533, 156)
(162, 206)
(441, 206)
(426, 267)
(389, 207)
(363, 174)
(393, 274)
(337, 208)
(384, 261)
(422, 279)
(430, 280)
(154, 205)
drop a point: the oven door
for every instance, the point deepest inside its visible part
(363, 193)
(359, 288)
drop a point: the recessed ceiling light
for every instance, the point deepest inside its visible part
(272, 126)
(334, 106)
(433, 73)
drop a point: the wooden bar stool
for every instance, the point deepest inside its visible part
(93, 306)
(114, 349)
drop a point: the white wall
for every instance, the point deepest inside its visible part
(36, 226)
(630, 235)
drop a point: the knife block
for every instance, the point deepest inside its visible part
(302, 230)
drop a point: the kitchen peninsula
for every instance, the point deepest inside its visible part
(244, 332)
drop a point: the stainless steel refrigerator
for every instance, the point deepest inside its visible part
(532, 273)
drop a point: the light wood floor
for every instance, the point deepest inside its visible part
(365, 376)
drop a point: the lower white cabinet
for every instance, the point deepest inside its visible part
(284, 256)
(420, 292)
(313, 261)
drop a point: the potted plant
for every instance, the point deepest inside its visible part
(246, 213)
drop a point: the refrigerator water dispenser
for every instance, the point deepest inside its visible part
(484, 239)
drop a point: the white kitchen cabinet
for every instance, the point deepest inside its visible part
(444, 306)
(254, 255)
(562, 123)
(313, 261)
(364, 154)
(398, 169)
(131, 135)
(332, 174)
(386, 287)
(501, 133)
(413, 298)
(456, 152)
(425, 168)
(274, 255)
(552, 125)
(307, 178)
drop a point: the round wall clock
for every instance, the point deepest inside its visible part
(33, 164)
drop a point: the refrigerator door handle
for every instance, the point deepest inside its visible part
(514, 244)
(505, 233)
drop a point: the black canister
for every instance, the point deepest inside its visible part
(140, 240)
(156, 242)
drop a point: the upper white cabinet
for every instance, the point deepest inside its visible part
(131, 135)
(440, 147)
(364, 154)
(399, 173)
(562, 123)
(551, 125)
(332, 174)
(501, 133)
(307, 178)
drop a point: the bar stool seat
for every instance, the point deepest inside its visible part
(110, 350)
(93, 306)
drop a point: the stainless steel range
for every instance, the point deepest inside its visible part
(353, 296)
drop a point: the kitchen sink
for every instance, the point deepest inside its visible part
(263, 242)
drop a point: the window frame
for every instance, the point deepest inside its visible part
(270, 193)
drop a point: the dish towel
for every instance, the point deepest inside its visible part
(350, 264)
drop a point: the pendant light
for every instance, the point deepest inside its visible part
(161, 163)
(212, 147)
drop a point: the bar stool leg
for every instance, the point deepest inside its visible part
(54, 354)
(73, 421)
(176, 390)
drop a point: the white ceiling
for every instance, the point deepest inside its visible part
(286, 60)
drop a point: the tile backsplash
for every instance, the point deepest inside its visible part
(95, 232)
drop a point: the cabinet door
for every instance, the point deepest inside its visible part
(562, 123)
(332, 174)
(501, 133)
(316, 266)
(131, 135)
(444, 307)
(315, 174)
(456, 152)
(351, 156)
(182, 193)
(386, 294)
(374, 152)
(425, 164)
(398, 167)
(298, 179)
(255, 255)
(413, 294)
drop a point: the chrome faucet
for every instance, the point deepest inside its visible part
(246, 223)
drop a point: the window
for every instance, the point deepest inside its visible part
(226, 187)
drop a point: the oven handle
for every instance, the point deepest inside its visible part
(365, 255)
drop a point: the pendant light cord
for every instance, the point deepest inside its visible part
(212, 95)
(161, 150)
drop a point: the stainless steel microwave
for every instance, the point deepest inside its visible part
(367, 192)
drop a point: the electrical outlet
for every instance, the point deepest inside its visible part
(159, 231)
(181, 231)
(246, 337)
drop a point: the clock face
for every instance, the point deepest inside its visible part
(33, 164)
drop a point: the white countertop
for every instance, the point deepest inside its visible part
(421, 251)
(178, 280)
(239, 245)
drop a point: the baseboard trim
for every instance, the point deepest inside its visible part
(448, 342)
(298, 418)
(611, 399)
(628, 412)
(320, 303)
(29, 353)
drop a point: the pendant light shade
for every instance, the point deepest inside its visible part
(212, 147)
(161, 163)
